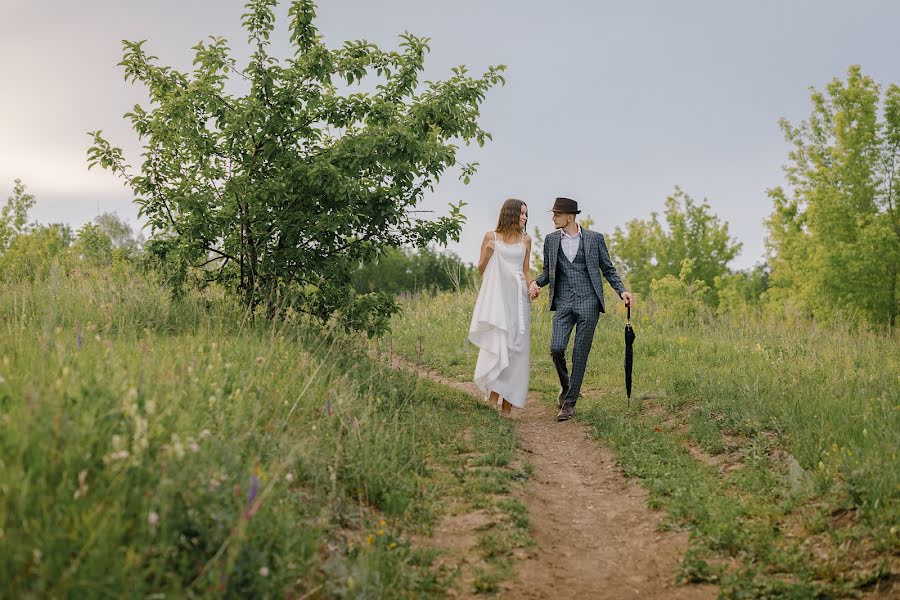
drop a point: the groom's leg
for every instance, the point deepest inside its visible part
(588, 314)
(563, 322)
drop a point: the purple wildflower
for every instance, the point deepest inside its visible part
(251, 494)
(254, 488)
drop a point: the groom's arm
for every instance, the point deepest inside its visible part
(544, 278)
(608, 270)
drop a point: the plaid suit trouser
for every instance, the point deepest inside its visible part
(581, 313)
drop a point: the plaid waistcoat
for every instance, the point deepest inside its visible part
(572, 278)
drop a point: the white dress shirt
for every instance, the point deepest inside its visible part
(570, 243)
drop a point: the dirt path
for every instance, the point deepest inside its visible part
(596, 537)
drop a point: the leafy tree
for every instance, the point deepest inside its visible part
(587, 222)
(119, 232)
(537, 250)
(14, 214)
(28, 250)
(648, 251)
(282, 192)
(680, 299)
(741, 291)
(93, 245)
(31, 254)
(834, 235)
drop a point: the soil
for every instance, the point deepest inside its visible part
(596, 538)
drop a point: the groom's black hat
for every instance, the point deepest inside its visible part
(565, 205)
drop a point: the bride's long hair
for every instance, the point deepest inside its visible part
(508, 221)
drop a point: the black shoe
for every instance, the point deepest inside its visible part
(566, 413)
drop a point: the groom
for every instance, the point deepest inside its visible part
(573, 260)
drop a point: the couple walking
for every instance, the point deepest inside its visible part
(574, 258)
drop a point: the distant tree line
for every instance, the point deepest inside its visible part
(407, 270)
(833, 243)
(28, 250)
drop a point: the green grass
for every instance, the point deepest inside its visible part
(773, 441)
(157, 446)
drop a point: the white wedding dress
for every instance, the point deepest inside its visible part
(501, 325)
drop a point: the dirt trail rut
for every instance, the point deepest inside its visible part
(596, 537)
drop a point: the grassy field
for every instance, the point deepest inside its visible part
(773, 441)
(160, 448)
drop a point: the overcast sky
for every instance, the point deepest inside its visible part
(609, 103)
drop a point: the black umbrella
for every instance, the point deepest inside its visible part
(629, 355)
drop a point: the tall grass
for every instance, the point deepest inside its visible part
(159, 446)
(785, 424)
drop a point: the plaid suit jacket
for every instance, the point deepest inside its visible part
(596, 256)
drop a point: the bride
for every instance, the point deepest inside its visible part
(501, 321)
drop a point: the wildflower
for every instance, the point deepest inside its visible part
(37, 555)
(380, 532)
(289, 477)
(370, 539)
(193, 446)
(120, 455)
(153, 518)
(82, 485)
(382, 523)
(264, 571)
(254, 488)
(392, 545)
(214, 483)
(204, 434)
(251, 493)
(177, 447)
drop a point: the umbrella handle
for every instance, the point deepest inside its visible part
(629, 313)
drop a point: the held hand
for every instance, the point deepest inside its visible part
(534, 290)
(628, 298)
